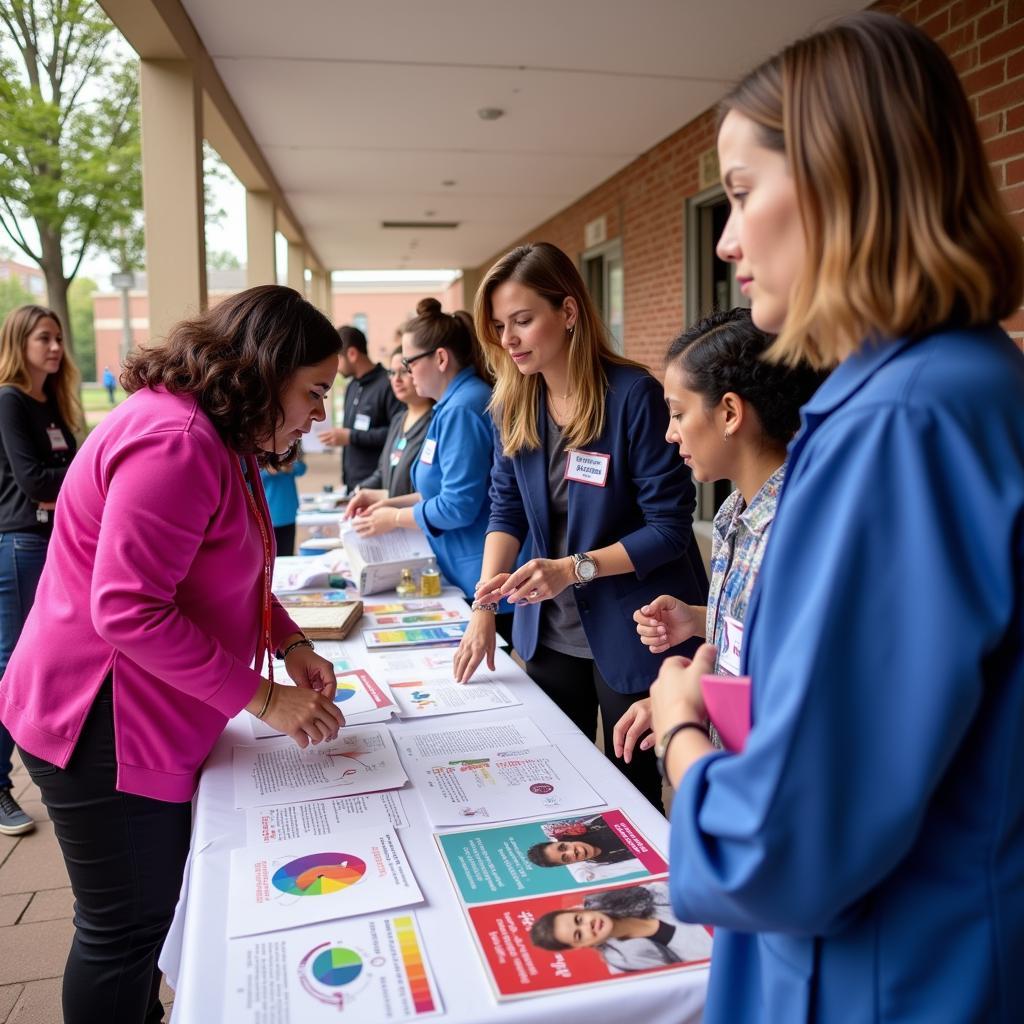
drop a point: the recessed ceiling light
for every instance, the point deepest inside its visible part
(449, 183)
(430, 213)
(490, 113)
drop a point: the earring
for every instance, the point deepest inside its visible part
(726, 435)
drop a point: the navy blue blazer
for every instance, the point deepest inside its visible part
(647, 503)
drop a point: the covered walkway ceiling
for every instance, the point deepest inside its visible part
(366, 110)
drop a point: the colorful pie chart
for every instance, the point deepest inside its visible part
(318, 874)
(337, 966)
(345, 691)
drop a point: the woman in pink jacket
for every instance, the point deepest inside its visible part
(152, 609)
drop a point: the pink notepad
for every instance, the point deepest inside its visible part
(727, 699)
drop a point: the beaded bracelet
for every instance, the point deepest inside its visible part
(304, 642)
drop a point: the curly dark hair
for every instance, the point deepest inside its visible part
(236, 359)
(725, 352)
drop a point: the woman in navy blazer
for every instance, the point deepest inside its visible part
(582, 472)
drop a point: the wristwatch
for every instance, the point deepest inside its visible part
(584, 568)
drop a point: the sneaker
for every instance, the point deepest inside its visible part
(13, 820)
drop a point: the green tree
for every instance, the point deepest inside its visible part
(69, 148)
(12, 295)
(83, 325)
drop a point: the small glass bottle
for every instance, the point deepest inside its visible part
(406, 585)
(430, 580)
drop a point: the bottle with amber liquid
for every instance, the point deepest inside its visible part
(430, 580)
(406, 585)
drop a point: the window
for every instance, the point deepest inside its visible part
(603, 274)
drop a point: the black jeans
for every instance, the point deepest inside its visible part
(125, 855)
(285, 538)
(577, 687)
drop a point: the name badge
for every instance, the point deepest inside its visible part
(732, 645)
(57, 442)
(587, 468)
(362, 422)
(427, 452)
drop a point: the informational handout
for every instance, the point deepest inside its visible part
(292, 572)
(362, 759)
(286, 885)
(442, 696)
(554, 855)
(370, 970)
(417, 613)
(500, 785)
(377, 562)
(470, 739)
(333, 816)
(540, 944)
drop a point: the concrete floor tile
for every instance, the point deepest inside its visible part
(11, 908)
(49, 905)
(7, 844)
(31, 952)
(8, 997)
(35, 863)
(39, 1004)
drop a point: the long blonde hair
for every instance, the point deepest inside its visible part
(905, 229)
(61, 386)
(549, 272)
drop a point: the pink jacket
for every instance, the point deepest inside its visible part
(154, 567)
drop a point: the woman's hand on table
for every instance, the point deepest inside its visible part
(307, 668)
(666, 623)
(477, 643)
(362, 501)
(304, 714)
(634, 725)
(538, 580)
(377, 520)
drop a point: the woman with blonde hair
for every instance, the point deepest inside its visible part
(39, 417)
(583, 479)
(863, 856)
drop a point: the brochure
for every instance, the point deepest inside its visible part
(449, 633)
(553, 855)
(333, 817)
(441, 696)
(468, 739)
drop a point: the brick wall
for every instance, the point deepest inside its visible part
(644, 203)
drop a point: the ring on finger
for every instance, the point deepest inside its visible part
(532, 595)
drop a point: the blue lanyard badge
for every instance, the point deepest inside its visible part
(396, 452)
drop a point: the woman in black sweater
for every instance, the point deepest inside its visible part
(39, 414)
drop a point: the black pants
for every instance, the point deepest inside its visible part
(285, 538)
(577, 687)
(125, 855)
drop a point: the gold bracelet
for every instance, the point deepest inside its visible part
(266, 703)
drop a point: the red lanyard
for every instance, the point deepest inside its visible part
(268, 560)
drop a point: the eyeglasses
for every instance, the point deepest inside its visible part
(403, 372)
(407, 363)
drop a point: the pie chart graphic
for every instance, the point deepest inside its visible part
(318, 874)
(337, 966)
(345, 691)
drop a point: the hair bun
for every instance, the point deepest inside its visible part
(428, 307)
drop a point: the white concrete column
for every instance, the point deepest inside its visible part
(297, 267)
(261, 258)
(172, 187)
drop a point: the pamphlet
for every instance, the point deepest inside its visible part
(331, 817)
(441, 696)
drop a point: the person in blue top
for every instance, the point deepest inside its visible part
(862, 858)
(450, 503)
(283, 501)
(583, 477)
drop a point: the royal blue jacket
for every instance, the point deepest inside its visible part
(647, 503)
(864, 856)
(452, 476)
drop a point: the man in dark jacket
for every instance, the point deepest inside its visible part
(370, 405)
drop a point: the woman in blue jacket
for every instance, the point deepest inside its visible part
(451, 476)
(582, 472)
(863, 857)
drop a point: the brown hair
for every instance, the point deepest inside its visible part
(432, 329)
(905, 228)
(549, 272)
(235, 360)
(61, 386)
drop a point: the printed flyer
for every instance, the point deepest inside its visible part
(500, 786)
(370, 970)
(554, 855)
(291, 884)
(515, 732)
(362, 759)
(541, 944)
(427, 697)
(415, 636)
(332, 817)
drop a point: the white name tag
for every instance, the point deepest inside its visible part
(732, 646)
(587, 468)
(362, 422)
(427, 452)
(57, 442)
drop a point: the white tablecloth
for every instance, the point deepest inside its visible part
(195, 954)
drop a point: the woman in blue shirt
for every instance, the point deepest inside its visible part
(283, 501)
(863, 857)
(583, 478)
(450, 503)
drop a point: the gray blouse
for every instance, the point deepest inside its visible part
(398, 456)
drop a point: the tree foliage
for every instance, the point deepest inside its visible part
(69, 149)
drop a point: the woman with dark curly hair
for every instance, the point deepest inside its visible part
(731, 415)
(154, 602)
